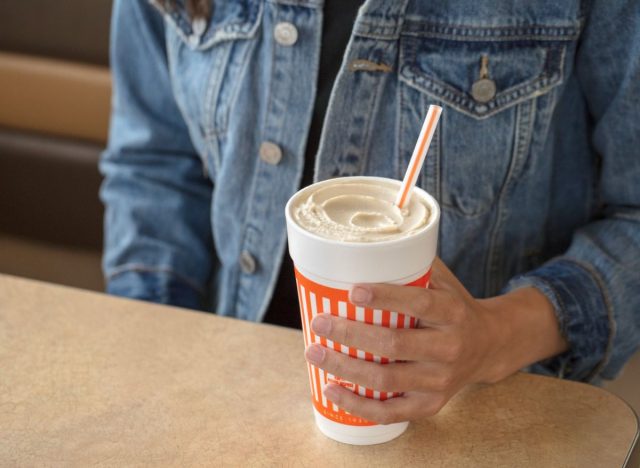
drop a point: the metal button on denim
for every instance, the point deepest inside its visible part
(286, 34)
(247, 263)
(483, 90)
(270, 153)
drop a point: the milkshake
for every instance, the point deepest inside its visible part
(362, 211)
(346, 231)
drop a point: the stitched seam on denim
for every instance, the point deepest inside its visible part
(210, 131)
(300, 3)
(522, 146)
(497, 109)
(215, 75)
(246, 222)
(141, 268)
(383, 33)
(211, 128)
(178, 99)
(544, 119)
(609, 309)
(460, 101)
(522, 149)
(417, 20)
(378, 37)
(414, 26)
(489, 39)
(239, 81)
(493, 259)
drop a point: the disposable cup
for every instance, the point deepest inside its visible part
(325, 270)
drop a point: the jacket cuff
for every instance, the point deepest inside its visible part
(159, 286)
(583, 316)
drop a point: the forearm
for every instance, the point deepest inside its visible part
(523, 330)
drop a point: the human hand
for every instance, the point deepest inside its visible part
(459, 340)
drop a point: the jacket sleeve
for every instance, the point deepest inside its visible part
(158, 243)
(595, 285)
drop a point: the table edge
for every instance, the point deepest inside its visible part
(632, 459)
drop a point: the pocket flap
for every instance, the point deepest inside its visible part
(448, 69)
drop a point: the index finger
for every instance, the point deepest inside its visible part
(393, 343)
(433, 307)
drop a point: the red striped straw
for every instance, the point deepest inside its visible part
(419, 155)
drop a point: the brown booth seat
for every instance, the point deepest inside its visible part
(54, 111)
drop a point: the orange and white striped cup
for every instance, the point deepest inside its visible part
(325, 271)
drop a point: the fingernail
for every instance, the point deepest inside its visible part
(321, 325)
(331, 392)
(315, 354)
(360, 295)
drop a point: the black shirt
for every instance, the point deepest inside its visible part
(339, 16)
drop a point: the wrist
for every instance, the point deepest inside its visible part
(523, 329)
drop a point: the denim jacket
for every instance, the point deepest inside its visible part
(536, 168)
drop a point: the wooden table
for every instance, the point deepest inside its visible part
(87, 379)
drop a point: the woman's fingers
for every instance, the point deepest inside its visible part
(412, 405)
(432, 306)
(391, 377)
(403, 344)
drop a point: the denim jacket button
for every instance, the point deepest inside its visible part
(286, 34)
(483, 90)
(270, 153)
(247, 263)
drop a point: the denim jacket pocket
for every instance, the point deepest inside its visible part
(495, 84)
(207, 65)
